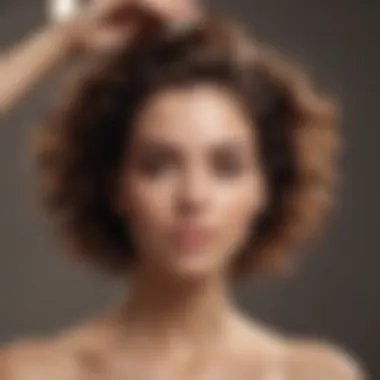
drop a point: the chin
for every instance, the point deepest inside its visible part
(196, 269)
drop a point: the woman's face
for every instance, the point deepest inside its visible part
(191, 183)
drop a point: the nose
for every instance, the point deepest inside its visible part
(195, 191)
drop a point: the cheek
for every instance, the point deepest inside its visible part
(147, 206)
(245, 200)
(241, 205)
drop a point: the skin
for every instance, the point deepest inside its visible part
(88, 32)
(192, 183)
(190, 188)
(192, 162)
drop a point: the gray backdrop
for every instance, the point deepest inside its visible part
(335, 291)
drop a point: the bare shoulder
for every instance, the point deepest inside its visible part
(317, 359)
(67, 356)
(307, 359)
(35, 359)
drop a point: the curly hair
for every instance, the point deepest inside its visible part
(80, 147)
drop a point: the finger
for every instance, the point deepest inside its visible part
(172, 10)
(99, 8)
(111, 39)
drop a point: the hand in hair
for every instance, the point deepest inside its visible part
(100, 27)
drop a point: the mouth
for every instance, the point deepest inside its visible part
(193, 237)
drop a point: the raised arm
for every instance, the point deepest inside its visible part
(101, 26)
(24, 65)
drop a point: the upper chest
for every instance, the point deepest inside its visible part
(118, 366)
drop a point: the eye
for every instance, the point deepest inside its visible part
(228, 164)
(156, 165)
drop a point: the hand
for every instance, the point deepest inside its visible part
(107, 24)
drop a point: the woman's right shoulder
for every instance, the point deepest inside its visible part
(34, 359)
(65, 356)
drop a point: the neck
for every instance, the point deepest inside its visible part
(175, 313)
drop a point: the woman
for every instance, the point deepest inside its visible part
(187, 158)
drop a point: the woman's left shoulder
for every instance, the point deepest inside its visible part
(321, 360)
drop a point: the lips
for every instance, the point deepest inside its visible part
(193, 237)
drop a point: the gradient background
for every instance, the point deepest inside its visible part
(335, 293)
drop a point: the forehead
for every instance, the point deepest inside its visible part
(196, 114)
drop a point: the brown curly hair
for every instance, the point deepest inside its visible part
(80, 148)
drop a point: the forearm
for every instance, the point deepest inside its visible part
(25, 65)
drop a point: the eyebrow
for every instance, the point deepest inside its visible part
(229, 145)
